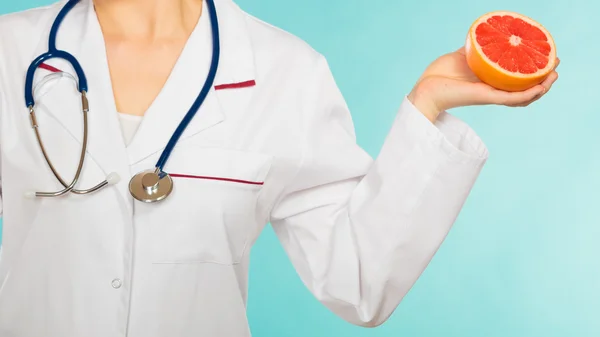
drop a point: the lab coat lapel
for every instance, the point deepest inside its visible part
(236, 65)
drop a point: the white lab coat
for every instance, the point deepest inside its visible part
(358, 231)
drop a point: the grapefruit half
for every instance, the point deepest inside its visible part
(510, 51)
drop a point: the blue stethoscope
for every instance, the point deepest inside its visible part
(147, 186)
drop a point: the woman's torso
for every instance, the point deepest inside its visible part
(104, 265)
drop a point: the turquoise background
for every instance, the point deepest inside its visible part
(523, 259)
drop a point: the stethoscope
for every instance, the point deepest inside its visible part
(147, 186)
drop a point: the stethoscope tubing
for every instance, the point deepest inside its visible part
(214, 65)
(82, 87)
(52, 53)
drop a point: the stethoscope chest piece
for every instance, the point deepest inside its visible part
(151, 186)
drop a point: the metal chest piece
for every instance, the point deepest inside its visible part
(151, 186)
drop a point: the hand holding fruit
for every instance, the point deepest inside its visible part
(508, 60)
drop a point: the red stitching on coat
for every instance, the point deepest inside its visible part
(175, 175)
(245, 84)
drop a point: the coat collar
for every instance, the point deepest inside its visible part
(105, 145)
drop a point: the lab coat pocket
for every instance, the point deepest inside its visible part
(212, 211)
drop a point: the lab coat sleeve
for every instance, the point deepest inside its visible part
(360, 231)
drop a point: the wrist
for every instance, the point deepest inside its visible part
(421, 97)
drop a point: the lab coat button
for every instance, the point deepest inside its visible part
(116, 283)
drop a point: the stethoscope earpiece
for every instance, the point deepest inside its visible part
(29, 195)
(113, 178)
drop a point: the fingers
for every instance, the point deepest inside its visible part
(549, 81)
(547, 85)
(460, 92)
(517, 98)
(522, 98)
